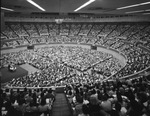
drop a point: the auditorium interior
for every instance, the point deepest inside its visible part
(75, 58)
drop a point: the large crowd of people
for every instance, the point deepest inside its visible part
(58, 62)
(111, 98)
(137, 60)
(133, 32)
(81, 70)
(27, 102)
(105, 34)
(67, 64)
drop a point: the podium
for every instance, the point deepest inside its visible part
(11, 68)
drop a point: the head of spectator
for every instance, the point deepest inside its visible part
(93, 100)
(85, 109)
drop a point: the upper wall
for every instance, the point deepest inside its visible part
(77, 19)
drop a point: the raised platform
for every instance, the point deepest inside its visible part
(8, 76)
(29, 68)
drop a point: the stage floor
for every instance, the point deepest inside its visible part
(6, 75)
(29, 68)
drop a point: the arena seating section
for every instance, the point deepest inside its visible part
(124, 37)
(130, 38)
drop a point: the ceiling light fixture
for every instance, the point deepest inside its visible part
(146, 13)
(147, 10)
(130, 6)
(7, 9)
(84, 5)
(135, 11)
(35, 4)
(138, 11)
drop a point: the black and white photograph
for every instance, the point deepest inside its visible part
(75, 58)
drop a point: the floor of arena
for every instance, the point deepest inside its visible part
(20, 71)
(8, 76)
(29, 68)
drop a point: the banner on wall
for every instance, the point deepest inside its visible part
(93, 47)
(30, 47)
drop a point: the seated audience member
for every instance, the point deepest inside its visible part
(106, 104)
(85, 111)
(50, 95)
(78, 105)
(21, 107)
(10, 109)
(117, 111)
(31, 109)
(28, 98)
(43, 108)
(94, 107)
